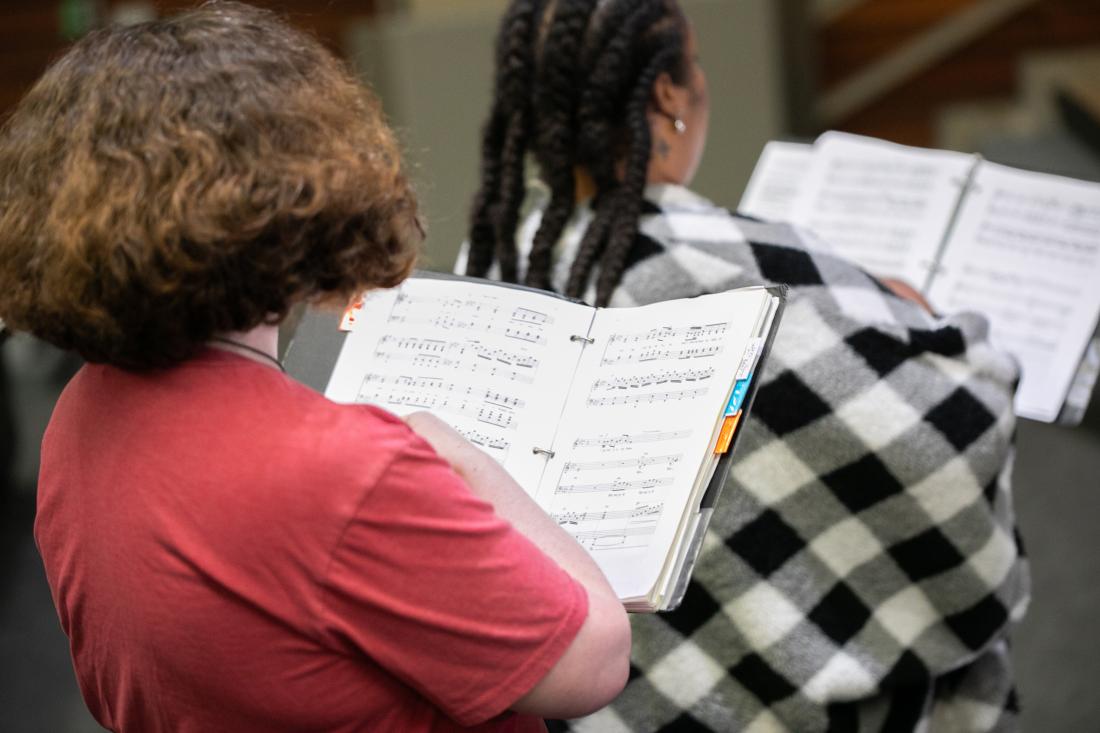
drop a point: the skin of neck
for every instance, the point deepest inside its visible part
(264, 337)
(585, 188)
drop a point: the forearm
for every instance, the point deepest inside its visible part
(490, 482)
(575, 686)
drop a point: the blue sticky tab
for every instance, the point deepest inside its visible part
(738, 397)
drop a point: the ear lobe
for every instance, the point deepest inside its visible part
(668, 98)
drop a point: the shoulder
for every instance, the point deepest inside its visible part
(342, 434)
(299, 432)
(776, 253)
(702, 247)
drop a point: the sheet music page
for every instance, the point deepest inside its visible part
(1026, 253)
(493, 362)
(886, 207)
(641, 419)
(776, 181)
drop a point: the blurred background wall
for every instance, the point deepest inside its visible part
(1015, 80)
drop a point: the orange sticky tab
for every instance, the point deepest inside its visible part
(347, 323)
(725, 437)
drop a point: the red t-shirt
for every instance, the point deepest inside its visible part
(230, 551)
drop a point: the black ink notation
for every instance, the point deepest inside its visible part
(641, 463)
(618, 485)
(647, 398)
(666, 344)
(467, 356)
(489, 406)
(665, 376)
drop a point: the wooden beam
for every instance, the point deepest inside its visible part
(920, 54)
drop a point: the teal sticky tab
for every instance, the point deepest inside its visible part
(738, 397)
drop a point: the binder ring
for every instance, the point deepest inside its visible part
(966, 183)
(543, 452)
(585, 339)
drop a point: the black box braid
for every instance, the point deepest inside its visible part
(586, 75)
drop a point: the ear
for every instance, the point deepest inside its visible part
(670, 100)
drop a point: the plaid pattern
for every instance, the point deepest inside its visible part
(863, 565)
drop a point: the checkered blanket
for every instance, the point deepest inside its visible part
(863, 566)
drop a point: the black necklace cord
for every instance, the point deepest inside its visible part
(258, 352)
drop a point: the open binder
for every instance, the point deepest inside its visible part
(1019, 247)
(619, 422)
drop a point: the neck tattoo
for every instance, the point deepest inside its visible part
(252, 349)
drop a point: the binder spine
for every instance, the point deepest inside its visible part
(965, 187)
(1082, 385)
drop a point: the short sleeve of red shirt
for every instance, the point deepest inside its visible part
(432, 585)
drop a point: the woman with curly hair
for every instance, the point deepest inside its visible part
(862, 567)
(227, 550)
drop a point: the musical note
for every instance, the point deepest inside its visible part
(467, 356)
(486, 405)
(641, 462)
(531, 335)
(469, 316)
(445, 313)
(647, 512)
(500, 418)
(709, 332)
(613, 486)
(647, 398)
(526, 315)
(634, 355)
(664, 376)
(487, 442)
(607, 528)
(608, 442)
(608, 538)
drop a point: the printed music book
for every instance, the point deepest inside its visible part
(618, 422)
(1021, 248)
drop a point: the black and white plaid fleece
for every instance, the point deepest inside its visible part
(863, 567)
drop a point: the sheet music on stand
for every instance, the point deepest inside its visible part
(1018, 247)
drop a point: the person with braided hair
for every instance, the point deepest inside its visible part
(862, 569)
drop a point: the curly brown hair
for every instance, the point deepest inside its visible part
(169, 181)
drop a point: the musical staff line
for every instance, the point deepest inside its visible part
(466, 356)
(484, 405)
(608, 442)
(647, 398)
(526, 315)
(665, 376)
(609, 538)
(615, 486)
(645, 512)
(641, 462)
(632, 355)
(665, 343)
(685, 334)
(487, 442)
(470, 316)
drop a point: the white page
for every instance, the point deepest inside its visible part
(776, 181)
(493, 362)
(885, 207)
(641, 418)
(1026, 253)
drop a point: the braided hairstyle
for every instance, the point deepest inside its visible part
(574, 83)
